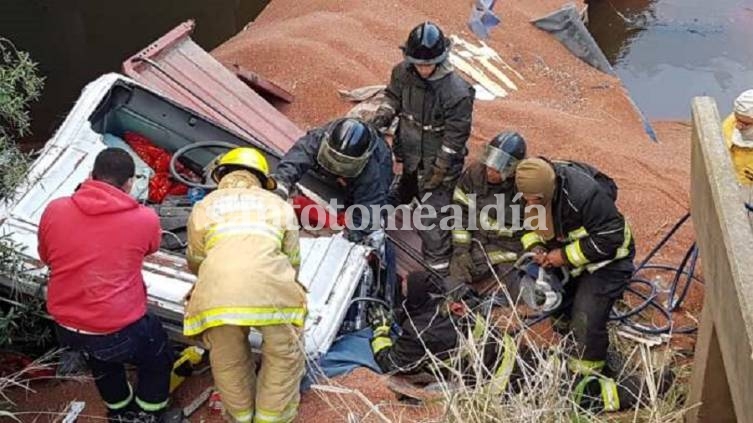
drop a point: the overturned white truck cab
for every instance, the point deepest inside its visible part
(214, 106)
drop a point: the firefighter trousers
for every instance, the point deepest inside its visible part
(586, 305)
(436, 243)
(272, 395)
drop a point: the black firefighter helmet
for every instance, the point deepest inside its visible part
(505, 151)
(426, 45)
(346, 147)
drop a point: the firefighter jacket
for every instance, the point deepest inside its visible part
(424, 330)
(435, 118)
(430, 342)
(493, 210)
(742, 157)
(369, 188)
(587, 225)
(243, 245)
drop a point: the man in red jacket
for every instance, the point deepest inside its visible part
(94, 243)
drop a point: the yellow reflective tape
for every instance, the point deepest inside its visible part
(220, 231)
(609, 394)
(577, 234)
(479, 327)
(295, 257)
(243, 316)
(575, 254)
(121, 404)
(580, 389)
(622, 252)
(503, 372)
(460, 236)
(530, 240)
(500, 256)
(151, 406)
(585, 367)
(491, 224)
(379, 343)
(624, 249)
(267, 416)
(504, 232)
(460, 197)
(242, 416)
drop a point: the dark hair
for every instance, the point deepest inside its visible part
(114, 166)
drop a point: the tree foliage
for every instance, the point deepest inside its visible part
(20, 85)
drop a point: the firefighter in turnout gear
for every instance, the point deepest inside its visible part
(486, 183)
(434, 106)
(583, 231)
(243, 245)
(432, 324)
(347, 152)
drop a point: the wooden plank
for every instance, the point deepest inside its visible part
(477, 75)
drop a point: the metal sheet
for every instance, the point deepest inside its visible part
(194, 78)
(177, 67)
(331, 267)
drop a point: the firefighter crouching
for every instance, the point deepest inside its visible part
(435, 319)
(243, 245)
(489, 182)
(585, 232)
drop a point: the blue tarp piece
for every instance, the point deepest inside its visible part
(346, 353)
(482, 18)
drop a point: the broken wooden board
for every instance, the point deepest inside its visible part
(477, 75)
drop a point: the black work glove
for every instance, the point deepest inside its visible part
(437, 173)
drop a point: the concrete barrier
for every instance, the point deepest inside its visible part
(722, 380)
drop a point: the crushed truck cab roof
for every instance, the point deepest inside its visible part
(331, 270)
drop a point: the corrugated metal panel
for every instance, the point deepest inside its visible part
(177, 67)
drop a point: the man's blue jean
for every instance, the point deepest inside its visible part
(143, 344)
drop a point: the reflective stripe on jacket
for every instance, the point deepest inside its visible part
(435, 117)
(480, 202)
(243, 245)
(588, 226)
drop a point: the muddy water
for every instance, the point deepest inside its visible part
(667, 51)
(74, 41)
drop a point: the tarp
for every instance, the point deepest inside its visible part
(346, 354)
(567, 26)
(482, 18)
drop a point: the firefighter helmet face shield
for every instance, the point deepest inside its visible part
(499, 160)
(338, 163)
